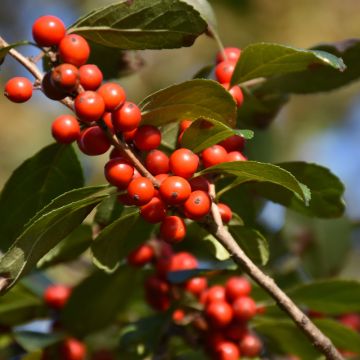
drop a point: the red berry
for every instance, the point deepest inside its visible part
(73, 349)
(147, 138)
(197, 205)
(74, 49)
(235, 156)
(185, 124)
(237, 286)
(129, 135)
(50, 90)
(127, 117)
(225, 213)
(244, 308)
(89, 106)
(184, 163)
(108, 121)
(142, 255)
(48, 30)
(199, 183)
(116, 153)
(93, 141)
(229, 53)
(237, 94)
(233, 143)
(214, 293)
(178, 315)
(213, 155)
(141, 190)
(90, 77)
(224, 71)
(196, 285)
(65, 129)
(175, 190)
(113, 94)
(154, 211)
(18, 89)
(219, 313)
(157, 162)
(236, 331)
(351, 321)
(250, 345)
(119, 173)
(183, 261)
(227, 351)
(173, 229)
(156, 286)
(56, 296)
(65, 77)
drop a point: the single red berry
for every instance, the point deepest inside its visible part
(213, 155)
(50, 90)
(175, 190)
(214, 293)
(197, 205)
(90, 77)
(184, 163)
(129, 135)
(89, 106)
(156, 286)
(142, 255)
(235, 156)
(119, 173)
(233, 143)
(225, 213)
(185, 124)
(154, 211)
(237, 94)
(244, 308)
(65, 77)
(224, 71)
(141, 190)
(116, 153)
(199, 183)
(229, 54)
(196, 285)
(178, 315)
(147, 138)
(74, 49)
(73, 349)
(127, 117)
(227, 351)
(56, 296)
(108, 122)
(113, 94)
(183, 261)
(18, 89)
(48, 30)
(237, 286)
(157, 162)
(93, 141)
(65, 129)
(236, 331)
(250, 345)
(173, 229)
(351, 321)
(219, 313)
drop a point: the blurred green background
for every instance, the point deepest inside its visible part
(323, 128)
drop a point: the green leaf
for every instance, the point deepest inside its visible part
(70, 248)
(32, 341)
(197, 137)
(205, 10)
(95, 302)
(169, 136)
(321, 78)
(140, 24)
(113, 243)
(252, 242)
(5, 50)
(332, 297)
(108, 211)
(246, 171)
(49, 173)
(204, 72)
(194, 99)
(46, 230)
(268, 59)
(342, 337)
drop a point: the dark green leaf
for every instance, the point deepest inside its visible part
(252, 242)
(116, 240)
(331, 297)
(192, 99)
(204, 73)
(205, 10)
(321, 78)
(268, 59)
(169, 136)
(197, 137)
(47, 229)
(32, 341)
(108, 211)
(49, 173)
(246, 171)
(140, 24)
(69, 248)
(5, 50)
(96, 301)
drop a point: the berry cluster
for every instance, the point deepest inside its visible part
(221, 313)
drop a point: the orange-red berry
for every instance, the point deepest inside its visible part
(56, 296)
(127, 117)
(233, 143)
(74, 49)
(65, 129)
(244, 308)
(89, 106)
(142, 255)
(197, 205)
(18, 89)
(224, 71)
(219, 313)
(196, 285)
(113, 94)
(229, 53)
(226, 350)
(73, 349)
(237, 286)
(172, 229)
(225, 213)
(93, 141)
(235, 156)
(65, 77)
(90, 77)
(119, 173)
(250, 345)
(147, 138)
(213, 155)
(175, 190)
(141, 190)
(183, 261)
(154, 211)
(48, 30)
(184, 163)
(157, 162)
